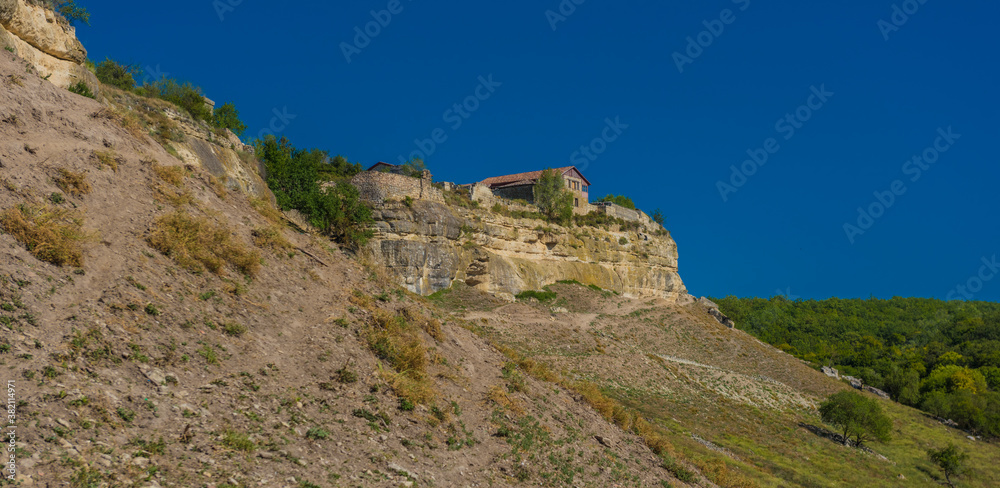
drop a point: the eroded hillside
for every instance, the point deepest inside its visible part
(187, 337)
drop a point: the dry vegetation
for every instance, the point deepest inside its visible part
(198, 243)
(72, 183)
(51, 234)
(270, 237)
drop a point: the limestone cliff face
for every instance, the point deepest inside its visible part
(40, 37)
(430, 244)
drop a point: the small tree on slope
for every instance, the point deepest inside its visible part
(950, 459)
(856, 416)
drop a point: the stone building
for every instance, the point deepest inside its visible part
(521, 186)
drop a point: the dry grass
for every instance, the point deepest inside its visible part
(429, 325)
(377, 272)
(197, 244)
(174, 197)
(266, 210)
(125, 119)
(171, 174)
(270, 238)
(50, 234)
(107, 158)
(395, 341)
(498, 395)
(72, 183)
(217, 187)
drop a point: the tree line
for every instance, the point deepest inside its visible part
(941, 357)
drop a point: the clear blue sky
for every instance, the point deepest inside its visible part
(783, 228)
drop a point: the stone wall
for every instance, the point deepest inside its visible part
(621, 212)
(377, 187)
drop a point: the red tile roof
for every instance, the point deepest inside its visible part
(524, 178)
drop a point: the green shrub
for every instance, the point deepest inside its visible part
(71, 11)
(81, 88)
(121, 76)
(227, 117)
(185, 96)
(552, 197)
(542, 296)
(619, 200)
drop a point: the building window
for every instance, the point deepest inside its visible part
(585, 188)
(576, 202)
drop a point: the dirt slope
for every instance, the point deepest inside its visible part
(132, 370)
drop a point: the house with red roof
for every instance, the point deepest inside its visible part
(521, 186)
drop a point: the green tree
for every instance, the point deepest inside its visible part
(72, 11)
(185, 96)
(950, 459)
(340, 214)
(856, 416)
(619, 200)
(658, 216)
(414, 167)
(227, 117)
(552, 197)
(118, 75)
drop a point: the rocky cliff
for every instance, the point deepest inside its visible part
(431, 244)
(46, 41)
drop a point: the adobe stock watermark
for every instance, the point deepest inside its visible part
(223, 7)
(899, 16)
(588, 153)
(915, 168)
(563, 11)
(974, 284)
(786, 127)
(455, 117)
(363, 36)
(281, 120)
(713, 30)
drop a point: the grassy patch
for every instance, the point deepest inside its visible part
(107, 158)
(395, 341)
(171, 174)
(267, 210)
(542, 296)
(50, 234)
(271, 238)
(197, 244)
(73, 183)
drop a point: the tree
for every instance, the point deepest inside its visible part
(121, 76)
(72, 11)
(856, 416)
(414, 167)
(227, 117)
(552, 197)
(621, 200)
(950, 459)
(658, 216)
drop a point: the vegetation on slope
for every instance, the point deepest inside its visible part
(943, 357)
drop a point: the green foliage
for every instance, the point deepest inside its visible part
(185, 96)
(552, 197)
(81, 88)
(71, 11)
(856, 416)
(658, 216)
(950, 459)
(121, 76)
(621, 200)
(542, 296)
(414, 168)
(294, 177)
(935, 355)
(227, 117)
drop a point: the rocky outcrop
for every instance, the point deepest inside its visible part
(42, 38)
(431, 244)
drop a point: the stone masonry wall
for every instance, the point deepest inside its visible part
(377, 187)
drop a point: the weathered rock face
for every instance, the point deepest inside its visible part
(430, 244)
(47, 42)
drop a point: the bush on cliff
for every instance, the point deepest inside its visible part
(294, 176)
(227, 117)
(118, 75)
(552, 197)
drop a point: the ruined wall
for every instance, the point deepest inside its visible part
(377, 187)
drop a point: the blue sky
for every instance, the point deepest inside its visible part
(844, 95)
